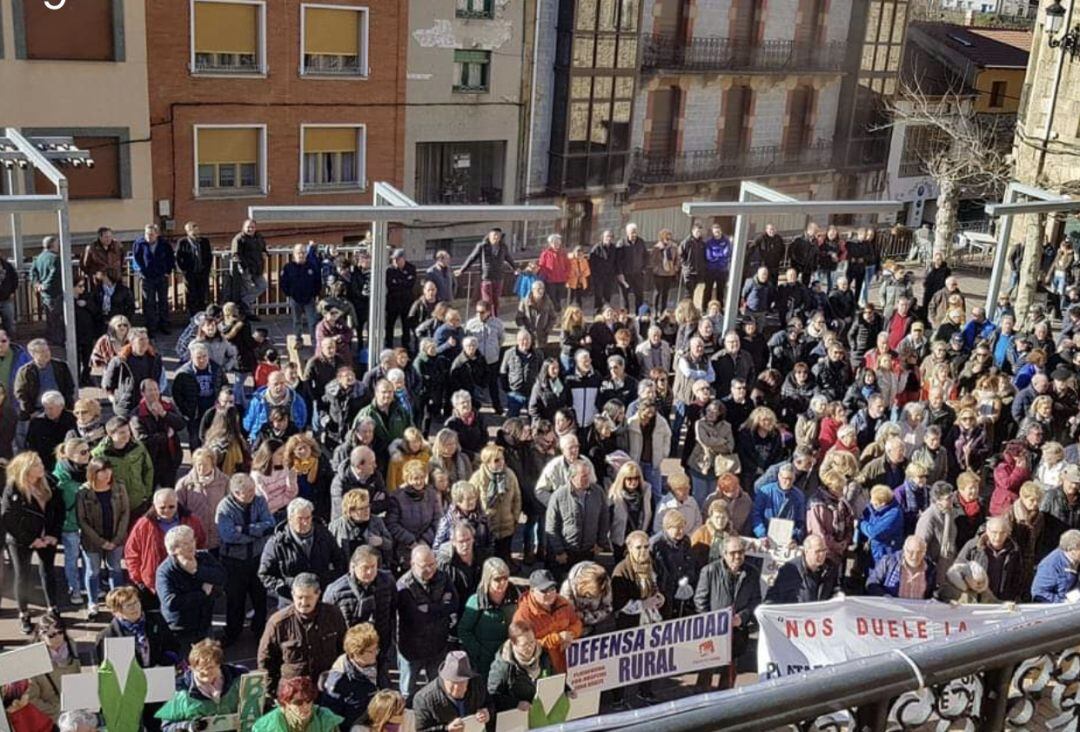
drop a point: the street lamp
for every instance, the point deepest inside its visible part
(1055, 18)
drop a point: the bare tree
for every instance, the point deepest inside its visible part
(962, 151)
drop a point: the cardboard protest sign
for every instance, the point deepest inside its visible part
(630, 656)
(119, 687)
(23, 663)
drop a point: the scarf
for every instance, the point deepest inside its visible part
(635, 503)
(556, 386)
(206, 479)
(643, 573)
(371, 673)
(212, 691)
(61, 655)
(307, 467)
(137, 630)
(530, 666)
(971, 509)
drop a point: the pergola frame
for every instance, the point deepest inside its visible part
(15, 205)
(756, 199)
(390, 205)
(1039, 201)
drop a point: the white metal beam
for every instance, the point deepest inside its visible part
(30, 204)
(399, 214)
(738, 208)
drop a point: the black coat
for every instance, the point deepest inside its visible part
(509, 684)
(283, 558)
(471, 437)
(718, 589)
(674, 565)
(347, 692)
(164, 649)
(24, 521)
(428, 612)
(794, 584)
(375, 604)
(544, 402)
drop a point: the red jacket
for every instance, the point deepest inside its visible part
(145, 547)
(1008, 477)
(554, 266)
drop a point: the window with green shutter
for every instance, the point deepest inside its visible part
(471, 71)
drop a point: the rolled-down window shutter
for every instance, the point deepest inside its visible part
(239, 145)
(226, 28)
(329, 139)
(332, 32)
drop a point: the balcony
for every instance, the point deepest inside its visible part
(651, 168)
(706, 54)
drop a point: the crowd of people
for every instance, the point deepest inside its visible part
(461, 512)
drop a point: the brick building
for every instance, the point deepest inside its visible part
(271, 102)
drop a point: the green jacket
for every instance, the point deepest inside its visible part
(386, 429)
(69, 489)
(45, 271)
(188, 704)
(133, 468)
(322, 720)
(483, 630)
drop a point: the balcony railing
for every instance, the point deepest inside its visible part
(712, 53)
(720, 164)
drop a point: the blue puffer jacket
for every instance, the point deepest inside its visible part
(153, 264)
(884, 527)
(771, 502)
(1054, 578)
(301, 282)
(258, 412)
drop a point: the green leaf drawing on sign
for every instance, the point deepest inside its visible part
(539, 717)
(122, 709)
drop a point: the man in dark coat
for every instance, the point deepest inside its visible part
(300, 544)
(492, 252)
(367, 594)
(729, 582)
(603, 266)
(631, 256)
(457, 693)
(811, 577)
(400, 291)
(998, 553)
(427, 606)
(768, 250)
(249, 264)
(195, 259)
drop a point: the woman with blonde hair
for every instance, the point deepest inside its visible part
(630, 499)
(707, 541)
(759, 445)
(1027, 527)
(500, 497)
(1051, 465)
(108, 346)
(410, 446)
(202, 489)
(664, 263)
(353, 679)
(302, 456)
(575, 335)
(88, 423)
(486, 619)
(357, 526)
(32, 515)
(385, 713)
(446, 453)
(465, 508)
(588, 589)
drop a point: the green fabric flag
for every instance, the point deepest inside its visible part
(122, 709)
(539, 717)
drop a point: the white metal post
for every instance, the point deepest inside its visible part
(68, 283)
(16, 221)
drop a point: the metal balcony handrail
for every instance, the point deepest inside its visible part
(999, 657)
(721, 163)
(716, 53)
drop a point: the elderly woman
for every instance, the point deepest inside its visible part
(202, 489)
(385, 713)
(44, 691)
(519, 664)
(446, 453)
(352, 683)
(357, 526)
(676, 569)
(636, 598)
(881, 528)
(500, 498)
(631, 506)
(155, 644)
(467, 423)
(486, 619)
(104, 516)
(759, 445)
(588, 588)
(707, 542)
(88, 424)
(273, 480)
(465, 507)
(296, 710)
(1027, 528)
(32, 516)
(713, 453)
(412, 512)
(208, 688)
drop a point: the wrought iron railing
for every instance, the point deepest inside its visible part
(1023, 674)
(714, 53)
(718, 164)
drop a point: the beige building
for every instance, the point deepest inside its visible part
(81, 71)
(463, 121)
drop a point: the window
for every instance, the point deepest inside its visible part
(460, 172)
(333, 157)
(471, 69)
(997, 94)
(230, 160)
(334, 40)
(89, 30)
(228, 37)
(475, 9)
(104, 180)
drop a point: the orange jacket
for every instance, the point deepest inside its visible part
(547, 624)
(578, 278)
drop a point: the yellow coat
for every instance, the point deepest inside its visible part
(579, 273)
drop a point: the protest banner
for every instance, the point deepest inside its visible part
(630, 656)
(796, 638)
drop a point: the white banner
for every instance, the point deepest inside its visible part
(630, 656)
(796, 638)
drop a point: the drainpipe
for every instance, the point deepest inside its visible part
(532, 121)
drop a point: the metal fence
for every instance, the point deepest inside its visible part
(722, 163)
(715, 53)
(1023, 674)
